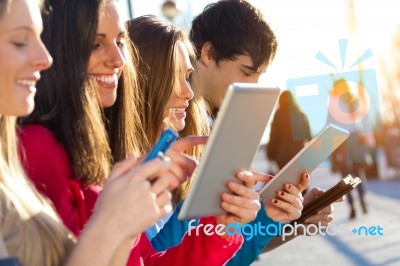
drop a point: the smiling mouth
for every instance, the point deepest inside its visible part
(107, 79)
(177, 110)
(26, 82)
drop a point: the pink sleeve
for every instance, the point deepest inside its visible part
(48, 166)
(194, 250)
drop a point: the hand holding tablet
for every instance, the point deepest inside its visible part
(306, 160)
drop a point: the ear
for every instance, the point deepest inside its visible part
(207, 53)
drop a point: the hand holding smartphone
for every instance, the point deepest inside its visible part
(162, 145)
(328, 197)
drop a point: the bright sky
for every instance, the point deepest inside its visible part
(303, 28)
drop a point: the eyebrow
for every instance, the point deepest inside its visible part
(103, 35)
(25, 28)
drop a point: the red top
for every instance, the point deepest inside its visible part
(49, 167)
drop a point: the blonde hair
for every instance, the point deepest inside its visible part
(37, 215)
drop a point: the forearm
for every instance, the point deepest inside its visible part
(99, 246)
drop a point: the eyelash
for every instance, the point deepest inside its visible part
(246, 74)
(120, 44)
(19, 44)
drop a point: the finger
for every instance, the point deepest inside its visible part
(148, 170)
(185, 162)
(327, 210)
(293, 190)
(312, 194)
(160, 184)
(188, 142)
(294, 200)
(175, 180)
(250, 204)
(164, 203)
(304, 182)
(239, 214)
(123, 166)
(250, 178)
(243, 191)
(247, 178)
(260, 177)
(292, 213)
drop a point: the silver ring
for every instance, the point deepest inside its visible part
(163, 157)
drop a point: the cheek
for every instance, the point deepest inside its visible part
(93, 61)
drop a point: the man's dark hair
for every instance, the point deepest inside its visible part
(234, 27)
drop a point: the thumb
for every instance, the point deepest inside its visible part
(312, 194)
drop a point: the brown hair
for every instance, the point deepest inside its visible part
(67, 101)
(158, 68)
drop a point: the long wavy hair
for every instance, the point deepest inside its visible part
(67, 103)
(157, 44)
(38, 218)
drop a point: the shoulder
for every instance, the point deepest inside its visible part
(39, 144)
(38, 137)
(34, 131)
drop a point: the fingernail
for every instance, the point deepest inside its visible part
(281, 193)
(247, 173)
(275, 201)
(289, 186)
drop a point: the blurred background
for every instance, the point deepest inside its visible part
(305, 28)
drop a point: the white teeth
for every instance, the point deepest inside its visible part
(106, 79)
(178, 110)
(26, 82)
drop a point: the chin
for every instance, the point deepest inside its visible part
(25, 109)
(108, 102)
(179, 126)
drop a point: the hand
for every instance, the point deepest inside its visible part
(243, 204)
(324, 216)
(185, 164)
(290, 203)
(131, 200)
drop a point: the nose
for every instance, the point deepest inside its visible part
(186, 91)
(42, 59)
(115, 57)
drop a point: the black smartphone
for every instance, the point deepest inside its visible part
(331, 195)
(163, 143)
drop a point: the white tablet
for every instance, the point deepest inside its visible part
(232, 145)
(307, 159)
